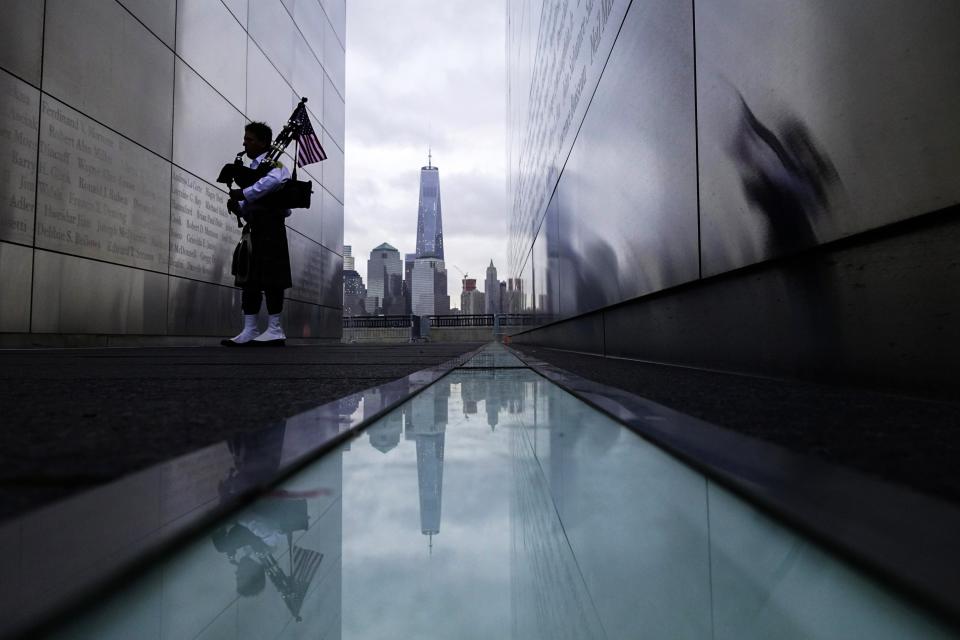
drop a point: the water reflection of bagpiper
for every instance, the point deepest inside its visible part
(253, 543)
(254, 539)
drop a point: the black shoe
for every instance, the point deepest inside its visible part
(228, 342)
(280, 342)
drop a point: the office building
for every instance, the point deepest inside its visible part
(348, 262)
(408, 261)
(384, 280)
(117, 119)
(429, 288)
(429, 214)
(471, 299)
(768, 188)
(491, 290)
(354, 294)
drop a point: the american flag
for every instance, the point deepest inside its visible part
(309, 149)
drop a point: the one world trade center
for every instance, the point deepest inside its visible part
(429, 220)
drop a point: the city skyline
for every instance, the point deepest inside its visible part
(418, 283)
(405, 101)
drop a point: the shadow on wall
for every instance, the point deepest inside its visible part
(785, 177)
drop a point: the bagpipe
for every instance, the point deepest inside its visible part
(293, 193)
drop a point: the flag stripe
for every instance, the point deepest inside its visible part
(309, 149)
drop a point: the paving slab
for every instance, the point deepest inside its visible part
(76, 418)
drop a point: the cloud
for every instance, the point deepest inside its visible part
(425, 74)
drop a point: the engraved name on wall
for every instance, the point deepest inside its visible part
(19, 127)
(202, 233)
(98, 194)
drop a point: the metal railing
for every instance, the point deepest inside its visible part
(447, 321)
(377, 322)
(521, 319)
(479, 320)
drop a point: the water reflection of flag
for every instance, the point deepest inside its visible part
(306, 563)
(309, 149)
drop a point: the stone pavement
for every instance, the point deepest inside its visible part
(911, 441)
(74, 418)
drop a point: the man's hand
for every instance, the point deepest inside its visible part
(237, 195)
(233, 207)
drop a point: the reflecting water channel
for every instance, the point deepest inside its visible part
(496, 505)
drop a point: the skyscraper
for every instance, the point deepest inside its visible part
(491, 289)
(429, 220)
(348, 263)
(408, 261)
(354, 293)
(427, 275)
(471, 299)
(384, 275)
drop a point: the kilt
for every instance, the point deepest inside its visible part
(262, 260)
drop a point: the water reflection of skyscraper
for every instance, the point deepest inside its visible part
(472, 390)
(428, 423)
(384, 434)
(424, 420)
(497, 392)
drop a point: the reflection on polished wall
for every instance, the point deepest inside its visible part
(115, 117)
(653, 144)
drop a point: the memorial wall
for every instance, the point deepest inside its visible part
(116, 118)
(653, 144)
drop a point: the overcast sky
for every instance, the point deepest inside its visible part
(423, 74)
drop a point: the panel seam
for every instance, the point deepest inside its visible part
(696, 135)
(36, 174)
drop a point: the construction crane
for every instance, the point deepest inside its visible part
(462, 272)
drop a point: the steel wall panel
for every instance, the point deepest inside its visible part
(543, 300)
(307, 78)
(627, 198)
(310, 19)
(208, 131)
(273, 29)
(333, 167)
(100, 195)
(334, 59)
(269, 98)
(215, 46)
(333, 112)
(567, 45)
(239, 10)
(19, 135)
(16, 272)
(526, 284)
(822, 119)
(336, 10)
(306, 266)
(76, 295)
(100, 60)
(302, 320)
(157, 15)
(200, 308)
(332, 293)
(21, 39)
(332, 237)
